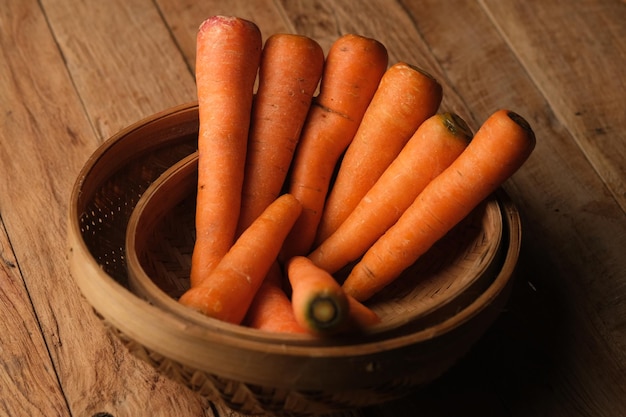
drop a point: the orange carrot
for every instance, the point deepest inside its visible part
(499, 148)
(227, 60)
(319, 304)
(361, 316)
(405, 98)
(434, 146)
(227, 293)
(271, 309)
(353, 69)
(289, 73)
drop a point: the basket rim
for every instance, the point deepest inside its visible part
(230, 334)
(104, 148)
(123, 310)
(123, 314)
(140, 281)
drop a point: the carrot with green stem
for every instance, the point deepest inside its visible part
(228, 51)
(227, 293)
(319, 304)
(499, 148)
(290, 69)
(353, 69)
(271, 309)
(437, 142)
(405, 98)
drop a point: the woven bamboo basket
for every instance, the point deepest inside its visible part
(139, 188)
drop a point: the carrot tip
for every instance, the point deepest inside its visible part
(219, 19)
(456, 125)
(225, 21)
(523, 123)
(422, 71)
(324, 312)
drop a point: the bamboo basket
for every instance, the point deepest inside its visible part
(132, 210)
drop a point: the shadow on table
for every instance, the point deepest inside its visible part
(509, 371)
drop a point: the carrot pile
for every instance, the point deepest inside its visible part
(310, 163)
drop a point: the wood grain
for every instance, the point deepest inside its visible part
(388, 22)
(184, 18)
(123, 50)
(74, 73)
(572, 79)
(567, 218)
(26, 365)
(45, 106)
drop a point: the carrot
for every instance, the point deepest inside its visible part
(499, 148)
(319, 304)
(405, 98)
(353, 69)
(271, 309)
(227, 59)
(227, 293)
(434, 146)
(289, 73)
(361, 316)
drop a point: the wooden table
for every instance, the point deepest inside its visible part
(74, 73)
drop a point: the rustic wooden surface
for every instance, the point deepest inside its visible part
(74, 73)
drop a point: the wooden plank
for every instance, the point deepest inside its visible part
(46, 137)
(562, 318)
(26, 365)
(558, 349)
(587, 54)
(384, 20)
(27, 369)
(122, 60)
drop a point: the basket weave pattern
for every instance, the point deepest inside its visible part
(103, 223)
